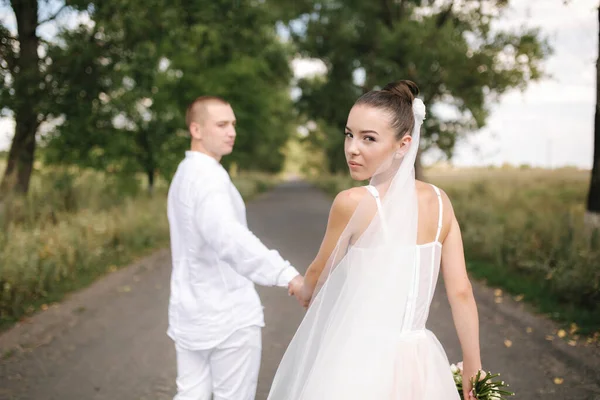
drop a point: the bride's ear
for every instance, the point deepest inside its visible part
(403, 145)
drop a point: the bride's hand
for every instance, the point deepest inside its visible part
(303, 295)
(469, 371)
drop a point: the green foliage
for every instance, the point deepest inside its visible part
(525, 232)
(41, 264)
(233, 52)
(119, 86)
(251, 184)
(76, 225)
(449, 49)
(70, 228)
(7, 64)
(532, 225)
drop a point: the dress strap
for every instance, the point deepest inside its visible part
(375, 193)
(441, 210)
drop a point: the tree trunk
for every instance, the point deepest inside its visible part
(147, 158)
(593, 204)
(26, 83)
(150, 174)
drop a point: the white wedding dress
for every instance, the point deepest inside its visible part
(363, 336)
(359, 345)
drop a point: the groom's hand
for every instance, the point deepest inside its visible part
(298, 289)
(303, 295)
(295, 285)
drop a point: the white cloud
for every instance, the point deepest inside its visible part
(7, 131)
(550, 92)
(68, 19)
(551, 123)
(307, 67)
(7, 18)
(551, 15)
(545, 135)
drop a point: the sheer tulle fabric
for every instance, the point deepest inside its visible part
(363, 336)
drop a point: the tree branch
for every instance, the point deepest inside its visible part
(41, 118)
(400, 12)
(386, 14)
(444, 15)
(53, 16)
(6, 48)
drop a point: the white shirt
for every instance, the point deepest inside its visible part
(215, 257)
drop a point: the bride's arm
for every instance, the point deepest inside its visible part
(461, 298)
(341, 210)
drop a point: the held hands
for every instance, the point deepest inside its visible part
(298, 289)
(295, 284)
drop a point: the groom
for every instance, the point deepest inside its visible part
(215, 314)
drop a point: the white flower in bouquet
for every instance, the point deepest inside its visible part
(458, 379)
(484, 387)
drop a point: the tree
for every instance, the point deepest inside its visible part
(114, 117)
(25, 85)
(21, 92)
(148, 61)
(447, 47)
(231, 49)
(593, 203)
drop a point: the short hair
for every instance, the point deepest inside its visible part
(198, 106)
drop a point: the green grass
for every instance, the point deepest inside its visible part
(540, 296)
(524, 231)
(41, 264)
(77, 225)
(253, 183)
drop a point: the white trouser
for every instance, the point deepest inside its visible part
(229, 371)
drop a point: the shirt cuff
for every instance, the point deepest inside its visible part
(286, 276)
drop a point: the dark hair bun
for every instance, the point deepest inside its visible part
(396, 98)
(405, 89)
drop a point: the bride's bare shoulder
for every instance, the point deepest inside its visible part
(347, 200)
(428, 200)
(351, 197)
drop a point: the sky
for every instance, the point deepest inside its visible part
(550, 124)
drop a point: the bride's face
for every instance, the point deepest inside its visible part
(370, 140)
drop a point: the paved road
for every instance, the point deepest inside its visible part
(108, 342)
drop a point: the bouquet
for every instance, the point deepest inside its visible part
(484, 385)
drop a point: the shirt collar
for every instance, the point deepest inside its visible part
(200, 156)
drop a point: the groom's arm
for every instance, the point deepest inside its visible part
(214, 218)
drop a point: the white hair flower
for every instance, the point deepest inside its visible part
(419, 109)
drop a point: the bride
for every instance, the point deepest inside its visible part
(371, 284)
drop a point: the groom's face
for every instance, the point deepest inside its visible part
(215, 129)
